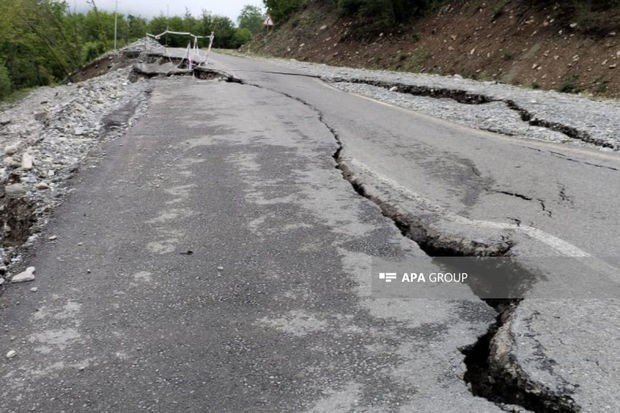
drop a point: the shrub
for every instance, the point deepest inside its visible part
(241, 37)
(569, 85)
(280, 10)
(6, 86)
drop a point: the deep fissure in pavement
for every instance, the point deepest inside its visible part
(504, 382)
(497, 382)
(488, 378)
(462, 96)
(172, 66)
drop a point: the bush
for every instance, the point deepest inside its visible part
(6, 86)
(388, 13)
(92, 50)
(570, 85)
(241, 37)
(280, 10)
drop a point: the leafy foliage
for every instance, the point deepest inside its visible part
(5, 82)
(388, 13)
(280, 10)
(41, 42)
(251, 18)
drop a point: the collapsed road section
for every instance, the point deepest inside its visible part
(490, 373)
(456, 190)
(443, 189)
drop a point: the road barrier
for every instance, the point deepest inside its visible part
(194, 56)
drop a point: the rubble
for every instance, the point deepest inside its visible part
(47, 135)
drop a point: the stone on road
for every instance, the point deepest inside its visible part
(24, 276)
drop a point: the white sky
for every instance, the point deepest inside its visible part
(152, 8)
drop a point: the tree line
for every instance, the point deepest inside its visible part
(42, 42)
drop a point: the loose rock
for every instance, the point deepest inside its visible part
(27, 162)
(41, 147)
(11, 150)
(15, 190)
(25, 276)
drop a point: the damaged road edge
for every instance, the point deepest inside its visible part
(492, 372)
(488, 360)
(30, 192)
(465, 97)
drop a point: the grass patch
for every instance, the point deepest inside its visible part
(419, 58)
(570, 85)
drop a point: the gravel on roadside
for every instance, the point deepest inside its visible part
(45, 137)
(510, 110)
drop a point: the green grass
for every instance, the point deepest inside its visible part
(569, 85)
(419, 58)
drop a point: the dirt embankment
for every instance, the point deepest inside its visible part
(510, 41)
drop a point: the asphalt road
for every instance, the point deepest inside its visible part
(215, 259)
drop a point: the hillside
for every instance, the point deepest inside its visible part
(510, 41)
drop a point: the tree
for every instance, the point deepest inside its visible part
(224, 32)
(5, 81)
(137, 27)
(280, 10)
(250, 18)
(241, 37)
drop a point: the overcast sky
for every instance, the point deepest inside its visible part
(152, 8)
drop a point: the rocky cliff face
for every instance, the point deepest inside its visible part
(507, 41)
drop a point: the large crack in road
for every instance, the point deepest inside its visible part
(465, 97)
(491, 372)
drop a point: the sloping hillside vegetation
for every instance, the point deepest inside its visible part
(571, 46)
(42, 41)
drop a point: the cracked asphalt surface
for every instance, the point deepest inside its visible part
(216, 260)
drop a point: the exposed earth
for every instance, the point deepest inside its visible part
(505, 41)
